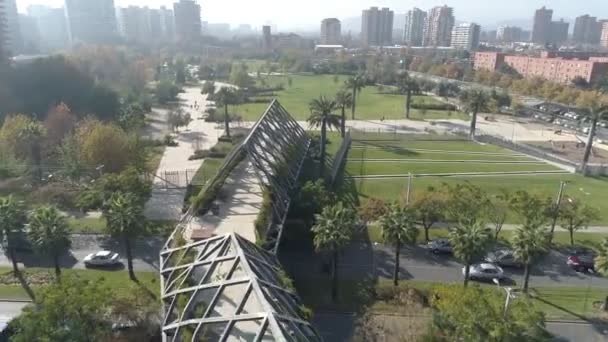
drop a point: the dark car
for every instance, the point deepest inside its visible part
(581, 260)
(504, 258)
(440, 246)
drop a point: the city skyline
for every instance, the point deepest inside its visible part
(310, 13)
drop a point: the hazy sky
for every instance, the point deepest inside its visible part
(288, 14)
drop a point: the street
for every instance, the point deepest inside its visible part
(145, 253)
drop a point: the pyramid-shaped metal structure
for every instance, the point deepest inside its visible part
(226, 288)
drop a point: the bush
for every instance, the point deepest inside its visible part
(372, 209)
(214, 116)
(169, 140)
(264, 218)
(225, 138)
(434, 106)
(202, 154)
(58, 194)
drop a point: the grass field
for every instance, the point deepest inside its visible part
(390, 157)
(370, 103)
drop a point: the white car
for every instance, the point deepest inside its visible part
(102, 258)
(484, 271)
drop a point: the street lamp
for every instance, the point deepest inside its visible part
(510, 295)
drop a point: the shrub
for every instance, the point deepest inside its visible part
(58, 194)
(214, 116)
(202, 154)
(434, 106)
(372, 209)
(264, 218)
(169, 140)
(225, 138)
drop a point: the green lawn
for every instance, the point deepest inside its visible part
(117, 280)
(87, 225)
(401, 168)
(370, 103)
(358, 153)
(432, 143)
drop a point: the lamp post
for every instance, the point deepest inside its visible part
(510, 294)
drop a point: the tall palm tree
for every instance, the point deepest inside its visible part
(469, 242)
(226, 96)
(49, 234)
(601, 265)
(333, 231)
(532, 238)
(596, 112)
(321, 115)
(345, 100)
(125, 220)
(407, 86)
(12, 220)
(399, 227)
(356, 84)
(474, 101)
(32, 135)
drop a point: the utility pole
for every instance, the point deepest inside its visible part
(558, 202)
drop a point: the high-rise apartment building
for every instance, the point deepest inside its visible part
(414, 27)
(187, 20)
(541, 30)
(52, 27)
(167, 23)
(438, 26)
(559, 32)
(267, 37)
(585, 30)
(509, 34)
(91, 21)
(331, 31)
(377, 27)
(135, 24)
(604, 36)
(12, 31)
(466, 36)
(3, 37)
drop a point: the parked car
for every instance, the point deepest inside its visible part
(504, 258)
(484, 271)
(102, 259)
(581, 260)
(440, 246)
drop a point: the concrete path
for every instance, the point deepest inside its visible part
(166, 204)
(239, 205)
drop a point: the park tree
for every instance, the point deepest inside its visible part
(399, 228)
(498, 210)
(72, 310)
(208, 88)
(601, 265)
(239, 76)
(531, 239)
(321, 115)
(407, 86)
(356, 85)
(430, 209)
(479, 314)
(575, 215)
(344, 100)
(11, 135)
(131, 117)
(49, 234)
(12, 221)
(597, 107)
(69, 157)
(59, 122)
(373, 209)
(125, 220)
(333, 231)
(224, 97)
(31, 136)
(178, 118)
(466, 211)
(311, 199)
(474, 102)
(105, 146)
(166, 91)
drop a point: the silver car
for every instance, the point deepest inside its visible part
(484, 271)
(440, 246)
(102, 258)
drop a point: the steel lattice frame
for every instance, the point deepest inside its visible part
(277, 147)
(228, 289)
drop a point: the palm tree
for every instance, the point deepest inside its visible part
(125, 220)
(399, 227)
(596, 112)
(407, 86)
(469, 242)
(32, 135)
(474, 102)
(12, 220)
(226, 96)
(321, 115)
(344, 99)
(356, 84)
(49, 233)
(601, 264)
(332, 232)
(531, 239)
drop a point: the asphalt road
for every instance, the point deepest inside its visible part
(145, 253)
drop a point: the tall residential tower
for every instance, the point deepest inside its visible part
(541, 31)
(187, 20)
(438, 26)
(414, 27)
(331, 31)
(466, 36)
(377, 27)
(91, 21)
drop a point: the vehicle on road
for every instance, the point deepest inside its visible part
(581, 260)
(102, 259)
(503, 258)
(484, 271)
(440, 246)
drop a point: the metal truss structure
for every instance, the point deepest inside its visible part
(228, 289)
(277, 147)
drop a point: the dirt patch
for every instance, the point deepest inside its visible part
(390, 328)
(571, 150)
(42, 278)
